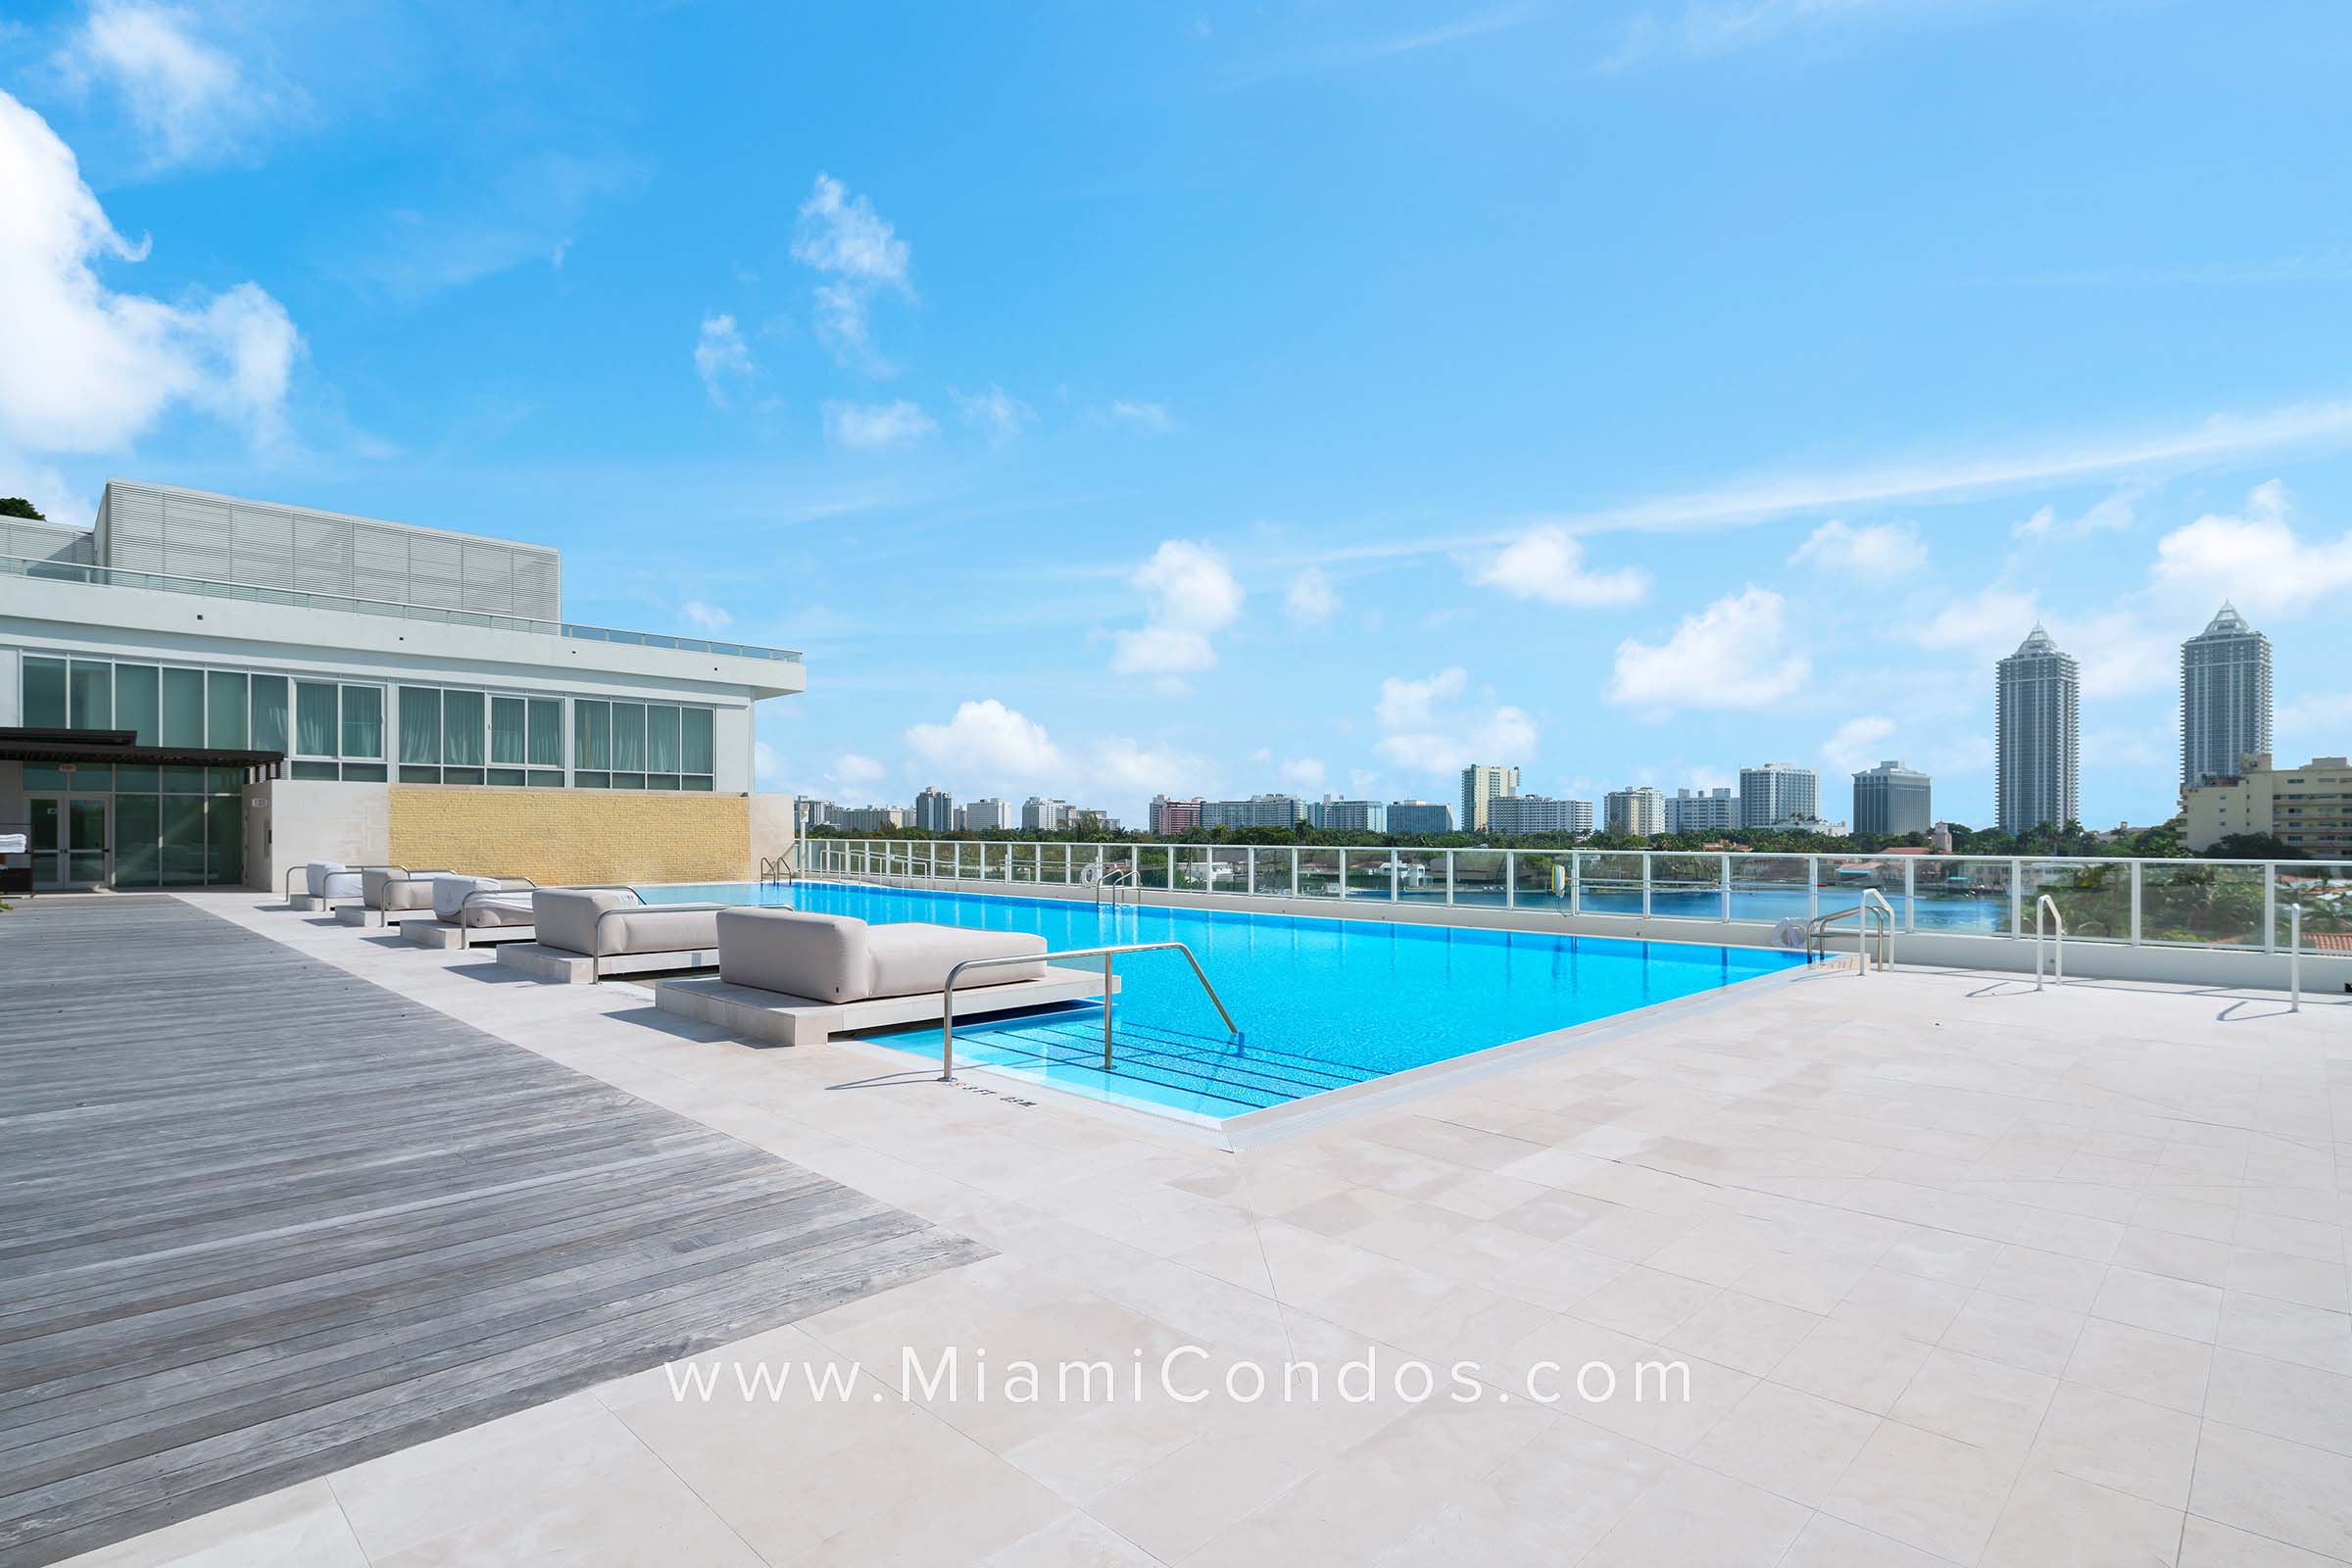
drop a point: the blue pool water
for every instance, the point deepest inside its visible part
(1321, 1003)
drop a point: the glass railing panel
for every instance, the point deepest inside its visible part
(2210, 903)
(1540, 879)
(1270, 876)
(1478, 878)
(1961, 896)
(1022, 862)
(1151, 865)
(1367, 873)
(1687, 887)
(1612, 882)
(1228, 870)
(2325, 890)
(2094, 897)
(1318, 873)
(1421, 875)
(1771, 888)
(1840, 880)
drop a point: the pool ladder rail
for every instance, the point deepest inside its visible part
(947, 993)
(1873, 915)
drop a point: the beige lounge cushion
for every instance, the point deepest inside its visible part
(833, 957)
(331, 879)
(477, 901)
(498, 909)
(375, 879)
(573, 919)
(415, 893)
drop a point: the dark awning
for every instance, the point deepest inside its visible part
(59, 748)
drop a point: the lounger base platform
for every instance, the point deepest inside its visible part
(309, 903)
(751, 1014)
(449, 934)
(564, 967)
(361, 915)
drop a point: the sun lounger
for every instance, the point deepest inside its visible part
(585, 933)
(833, 957)
(470, 909)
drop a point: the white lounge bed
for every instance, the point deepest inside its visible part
(391, 895)
(477, 910)
(325, 883)
(793, 978)
(586, 934)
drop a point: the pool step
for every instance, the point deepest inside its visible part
(1212, 1067)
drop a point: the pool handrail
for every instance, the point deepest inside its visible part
(947, 993)
(1862, 911)
(2046, 905)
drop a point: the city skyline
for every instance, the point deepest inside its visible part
(1347, 522)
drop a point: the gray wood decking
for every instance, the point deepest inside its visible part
(261, 1219)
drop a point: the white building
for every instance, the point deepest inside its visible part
(1420, 816)
(988, 814)
(1259, 810)
(1521, 815)
(251, 685)
(1482, 783)
(870, 819)
(1350, 816)
(1043, 813)
(935, 810)
(2037, 737)
(1639, 810)
(1777, 794)
(1702, 810)
(2225, 698)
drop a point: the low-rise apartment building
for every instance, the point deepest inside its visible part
(2308, 808)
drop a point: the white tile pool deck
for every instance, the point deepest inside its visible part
(1963, 1275)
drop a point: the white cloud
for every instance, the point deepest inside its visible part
(995, 414)
(843, 237)
(1548, 562)
(1310, 598)
(1857, 744)
(1876, 551)
(1151, 416)
(767, 764)
(1983, 625)
(1427, 728)
(1191, 595)
(87, 369)
(2109, 515)
(853, 770)
(529, 212)
(720, 356)
(708, 616)
(987, 739)
(1737, 652)
(189, 98)
(2255, 558)
(1302, 773)
(876, 426)
(2119, 652)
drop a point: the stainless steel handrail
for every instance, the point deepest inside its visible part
(464, 931)
(947, 993)
(2049, 906)
(1817, 930)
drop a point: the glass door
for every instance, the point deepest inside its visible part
(69, 840)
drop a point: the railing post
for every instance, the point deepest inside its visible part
(2136, 887)
(1107, 1012)
(1911, 894)
(1396, 876)
(1645, 880)
(2017, 896)
(1510, 879)
(1448, 876)
(1724, 885)
(2294, 959)
(2270, 905)
(1576, 881)
(1813, 890)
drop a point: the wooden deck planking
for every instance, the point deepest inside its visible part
(261, 1219)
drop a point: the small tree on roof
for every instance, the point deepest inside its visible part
(19, 507)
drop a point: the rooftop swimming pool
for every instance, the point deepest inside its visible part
(1322, 1003)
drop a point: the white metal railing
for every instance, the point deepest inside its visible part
(2046, 905)
(2294, 958)
(947, 993)
(2240, 905)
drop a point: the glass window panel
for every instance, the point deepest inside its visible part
(1612, 882)
(592, 735)
(44, 694)
(363, 722)
(695, 751)
(136, 696)
(662, 740)
(2203, 903)
(462, 722)
(2094, 898)
(506, 730)
(507, 777)
(1318, 872)
(315, 719)
(183, 781)
(1477, 877)
(364, 773)
(90, 694)
(182, 721)
(420, 724)
(269, 711)
(92, 780)
(225, 710)
(37, 778)
(628, 737)
(138, 780)
(420, 775)
(460, 775)
(693, 783)
(139, 834)
(547, 734)
(628, 781)
(1971, 897)
(312, 770)
(225, 840)
(182, 860)
(660, 781)
(546, 780)
(592, 781)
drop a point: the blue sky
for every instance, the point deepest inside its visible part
(1313, 396)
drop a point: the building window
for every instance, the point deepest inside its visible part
(641, 746)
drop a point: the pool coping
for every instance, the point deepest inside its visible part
(1268, 1124)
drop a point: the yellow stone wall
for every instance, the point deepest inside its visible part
(560, 836)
